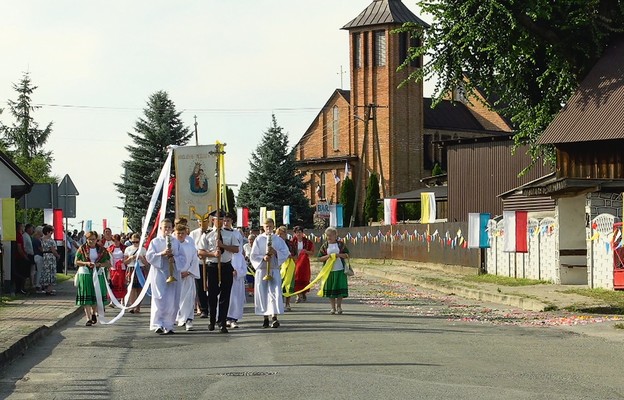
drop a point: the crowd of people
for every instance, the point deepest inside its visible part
(202, 272)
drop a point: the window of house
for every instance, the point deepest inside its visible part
(380, 48)
(336, 127)
(357, 50)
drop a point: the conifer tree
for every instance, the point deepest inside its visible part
(273, 180)
(159, 128)
(24, 142)
(347, 198)
(371, 204)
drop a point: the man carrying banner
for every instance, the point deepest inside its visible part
(217, 248)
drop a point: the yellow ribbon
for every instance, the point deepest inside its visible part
(287, 271)
(322, 276)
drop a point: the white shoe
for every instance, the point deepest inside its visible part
(181, 323)
(189, 325)
(332, 311)
(233, 324)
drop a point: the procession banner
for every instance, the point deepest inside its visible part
(196, 183)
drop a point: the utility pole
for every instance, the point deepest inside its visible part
(196, 137)
(361, 166)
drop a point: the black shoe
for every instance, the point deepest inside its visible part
(160, 330)
(265, 324)
(275, 324)
(224, 329)
(94, 318)
(211, 327)
(203, 315)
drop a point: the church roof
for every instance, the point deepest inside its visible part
(452, 116)
(381, 12)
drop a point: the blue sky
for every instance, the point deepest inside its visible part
(231, 63)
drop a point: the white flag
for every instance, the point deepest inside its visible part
(346, 169)
(286, 215)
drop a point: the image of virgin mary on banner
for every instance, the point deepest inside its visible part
(196, 183)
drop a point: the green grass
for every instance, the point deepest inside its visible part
(6, 299)
(613, 301)
(503, 280)
(62, 277)
(619, 325)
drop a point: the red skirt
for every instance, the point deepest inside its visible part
(302, 272)
(118, 282)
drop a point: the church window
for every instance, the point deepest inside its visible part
(380, 48)
(404, 48)
(357, 50)
(336, 127)
(322, 186)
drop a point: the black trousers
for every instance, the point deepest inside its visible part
(199, 288)
(219, 292)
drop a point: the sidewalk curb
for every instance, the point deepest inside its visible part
(514, 301)
(20, 347)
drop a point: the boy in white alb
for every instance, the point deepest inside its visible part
(188, 273)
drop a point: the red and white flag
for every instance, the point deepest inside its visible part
(515, 225)
(242, 217)
(390, 211)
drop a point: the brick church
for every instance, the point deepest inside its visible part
(377, 127)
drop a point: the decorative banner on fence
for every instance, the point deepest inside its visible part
(286, 215)
(242, 217)
(515, 226)
(427, 208)
(263, 215)
(124, 224)
(7, 220)
(335, 215)
(478, 237)
(104, 224)
(59, 233)
(89, 225)
(196, 191)
(390, 211)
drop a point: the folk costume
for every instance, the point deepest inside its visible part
(336, 284)
(85, 290)
(268, 293)
(302, 269)
(219, 287)
(237, 295)
(118, 271)
(165, 296)
(186, 311)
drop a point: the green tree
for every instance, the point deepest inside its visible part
(371, 203)
(230, 200)
(529, 55)
(160, 127)
(347, 199)
(25, 142)
(24, 137)
(273, 180)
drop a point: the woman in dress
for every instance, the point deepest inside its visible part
(304, 248)
(118, 268)
(47, 277)
(91, 258)
(131, 254)
(336, 286)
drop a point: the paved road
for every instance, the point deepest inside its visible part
(394, 341)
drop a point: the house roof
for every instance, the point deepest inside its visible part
(595, 111)
(381, 12)
(551, 185)
(17, 191)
